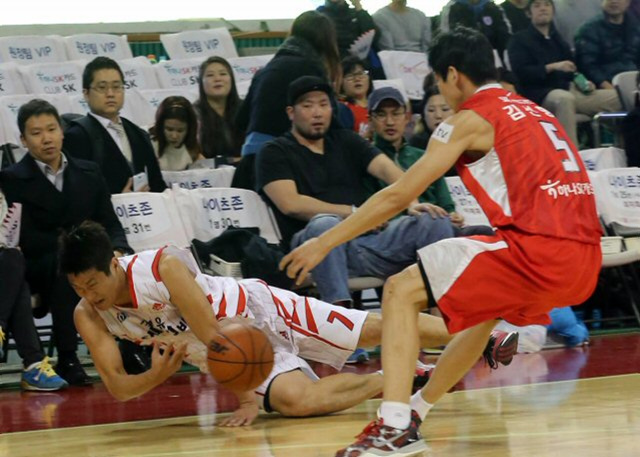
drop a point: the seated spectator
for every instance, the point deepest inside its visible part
(356, 87)
(434, 110)
(312, 178)
(515, 10)
(175, 134)
(570, 15)
(310, 50)
(16, 320)
(608, 44)
(57, 191)
(482, 15)
(217, 109)
(119, 147)
(389, 119)
(544, 66)
(402, 28)
(631, 132)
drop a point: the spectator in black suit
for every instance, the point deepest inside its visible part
(119, 147)
(57, 192)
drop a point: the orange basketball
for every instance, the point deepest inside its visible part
(240, 357)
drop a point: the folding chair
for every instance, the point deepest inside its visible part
(617, 193)
(199, 178)
(150, 220)
(200, 44)
(603, 158)
(87, 46)
(627, 86)
(29, 49)
(466, 204)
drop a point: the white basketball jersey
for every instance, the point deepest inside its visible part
(152, 316)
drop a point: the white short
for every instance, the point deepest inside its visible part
(302, 328)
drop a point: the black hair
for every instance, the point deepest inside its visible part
(528, 7)
(36, 107)
(177, 107)
(318, 30)
(85, 247)
(97, 64)
(468, 51)
(218, 134)
(349, 64)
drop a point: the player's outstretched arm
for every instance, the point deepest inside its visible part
(188, 297)
(246, 412)
(108, 362)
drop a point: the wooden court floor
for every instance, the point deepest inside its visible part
(587, 417)
(556, 403)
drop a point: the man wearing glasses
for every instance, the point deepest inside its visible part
(120, 148)
(312, 177)
(388, 117)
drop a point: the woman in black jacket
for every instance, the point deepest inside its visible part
(310, 50)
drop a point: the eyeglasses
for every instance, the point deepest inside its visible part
(382, 116)
(104, 88)
(356, 75)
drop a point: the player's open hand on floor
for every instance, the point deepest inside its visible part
(299, 262)
(169, 361)
(244, 415)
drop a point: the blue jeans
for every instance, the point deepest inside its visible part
(254, 142)
(380, 254)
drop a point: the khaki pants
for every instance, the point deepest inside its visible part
(565, 104)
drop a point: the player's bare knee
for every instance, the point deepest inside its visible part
(405, 291)
(288, 394)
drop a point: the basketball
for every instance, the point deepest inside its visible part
(240, 357)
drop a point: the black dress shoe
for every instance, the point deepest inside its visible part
(136, 359)
(71, 371)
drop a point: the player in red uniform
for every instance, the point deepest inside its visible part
(517, 161)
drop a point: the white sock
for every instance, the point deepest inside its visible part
(396, 414)
(419, 405)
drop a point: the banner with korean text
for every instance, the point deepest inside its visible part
(207, 212)
(200, 43)
(88, 46)
(466, 204)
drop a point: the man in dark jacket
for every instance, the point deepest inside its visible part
(57, 192)
(482, 15)
(609, 44)
(350, 23)
(515, 10)
(545, 68)
(119, 147)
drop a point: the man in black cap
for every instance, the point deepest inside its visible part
(312, 177)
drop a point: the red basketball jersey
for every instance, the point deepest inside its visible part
(533, 179)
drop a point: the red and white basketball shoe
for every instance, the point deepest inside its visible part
(501, 348)
(378, 440)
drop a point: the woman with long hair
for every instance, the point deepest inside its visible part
(217, 108)
(310, 50)
(174, 134)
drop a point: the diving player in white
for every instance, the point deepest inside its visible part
(159, 297)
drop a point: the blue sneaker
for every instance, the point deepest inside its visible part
(359, 356)
(40, 376)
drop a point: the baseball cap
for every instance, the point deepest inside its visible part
(384, 93)
(305, 84)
